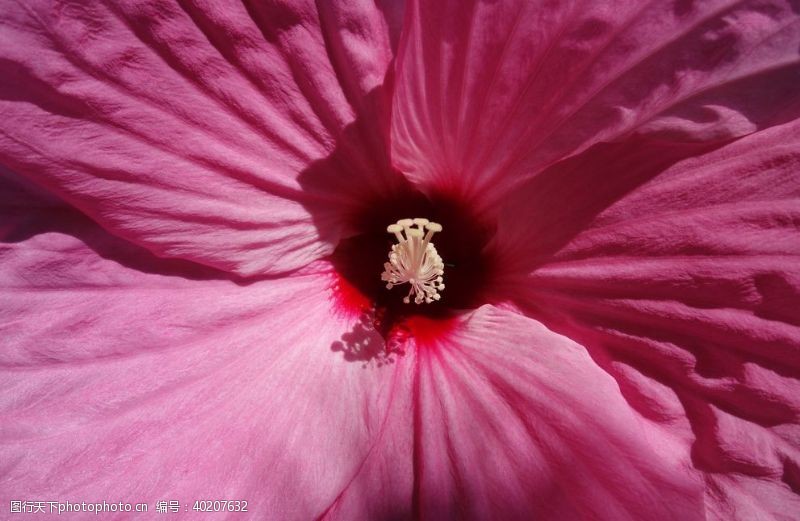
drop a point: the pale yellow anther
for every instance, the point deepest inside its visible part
(433, 227)
(414, 260)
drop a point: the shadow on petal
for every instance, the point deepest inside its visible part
(364, 344)
(545, 213)
(44, 213)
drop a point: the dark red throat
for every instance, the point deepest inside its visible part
(462, 245)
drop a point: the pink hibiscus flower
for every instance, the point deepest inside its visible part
(195, 200)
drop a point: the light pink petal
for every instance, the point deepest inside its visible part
(488, 92)
(125, 385)
(384, 488)
(514, 421)
(197, 130)
(683, 280)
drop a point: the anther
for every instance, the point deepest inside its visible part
(414, 260)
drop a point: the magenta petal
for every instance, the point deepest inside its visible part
(124, 385)
(687, 284)
(491, 91)
(184, 127)
(517, 422)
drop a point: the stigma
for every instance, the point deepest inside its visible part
(414, 260)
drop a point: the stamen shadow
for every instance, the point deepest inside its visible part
(364, 344)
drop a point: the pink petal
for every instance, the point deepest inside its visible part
(489, 92)
(383, 489)
(185, 128)
(516, 422)
(683, 281)
(125, 385)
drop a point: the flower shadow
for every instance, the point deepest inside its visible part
(365, 345)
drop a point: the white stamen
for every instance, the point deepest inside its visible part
(414, 260)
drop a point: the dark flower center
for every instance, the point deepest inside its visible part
(462, 245)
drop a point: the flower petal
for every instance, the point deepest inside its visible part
(517, 422)
(124, 385)
(489, 92)
(383, 489)
(184, 127)
(685, 278)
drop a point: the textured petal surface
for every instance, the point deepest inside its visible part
(682, 278)
(125, 385)
(488, 92)
(383, 489)
(514, 421)
(185, 126)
